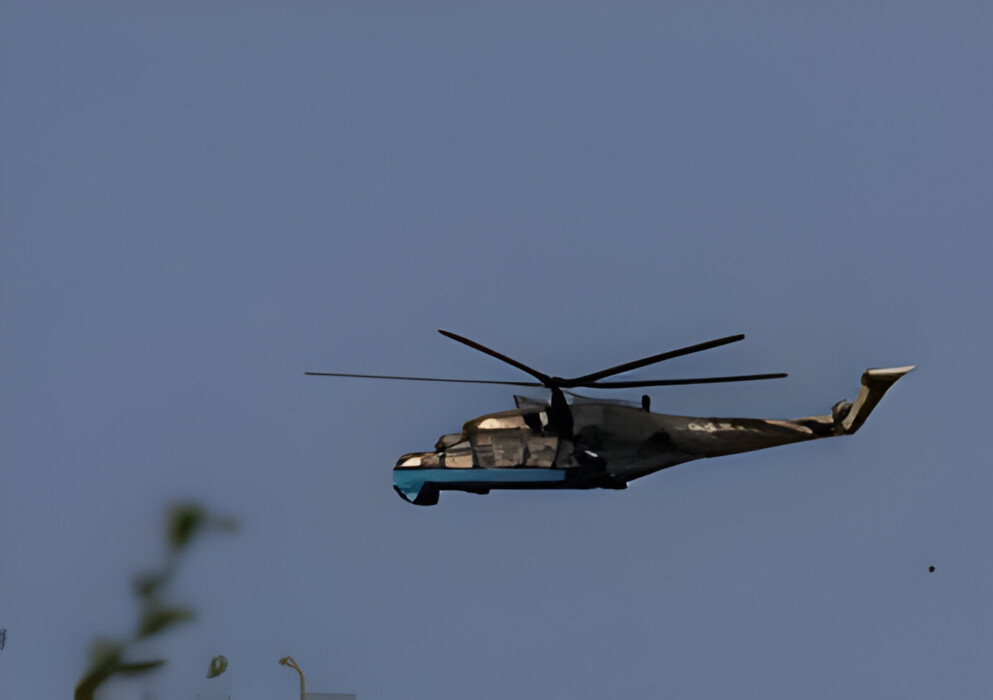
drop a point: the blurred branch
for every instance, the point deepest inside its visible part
(184, 522)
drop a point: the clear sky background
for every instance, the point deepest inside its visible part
(203, 200)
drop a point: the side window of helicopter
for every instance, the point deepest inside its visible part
(457, 456)
(446, 441)
(541, 450)
(499, 448)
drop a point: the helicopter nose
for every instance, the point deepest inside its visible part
(414, 460)
(411, 478)
(409, 460)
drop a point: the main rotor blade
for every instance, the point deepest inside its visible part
(586, 379)
(543, 378)
(679, 382)
(420, 379)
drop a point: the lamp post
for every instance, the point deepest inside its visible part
(288, 661)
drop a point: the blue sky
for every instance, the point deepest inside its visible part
(201, 201)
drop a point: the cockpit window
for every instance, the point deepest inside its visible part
(499, 448)
(528, 402)
(502, 422)
(446, 441)
(457, 456)
(541, 451)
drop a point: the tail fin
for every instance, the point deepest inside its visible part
(875, 383)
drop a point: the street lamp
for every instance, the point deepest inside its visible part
(288, 661)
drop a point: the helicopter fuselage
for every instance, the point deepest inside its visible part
(612, 444)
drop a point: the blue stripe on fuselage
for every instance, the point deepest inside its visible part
(410, 481)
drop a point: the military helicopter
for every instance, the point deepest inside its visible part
(586, 443)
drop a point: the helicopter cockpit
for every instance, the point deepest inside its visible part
(518, 438)
(511, 438)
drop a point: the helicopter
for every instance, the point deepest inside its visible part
(592, 443)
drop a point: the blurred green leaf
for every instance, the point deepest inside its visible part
(185, 519)
(104, 650)
(157, 619)
(139, 667)
(218, 665)
(105, 657)
(106, 664)
(88, 684)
